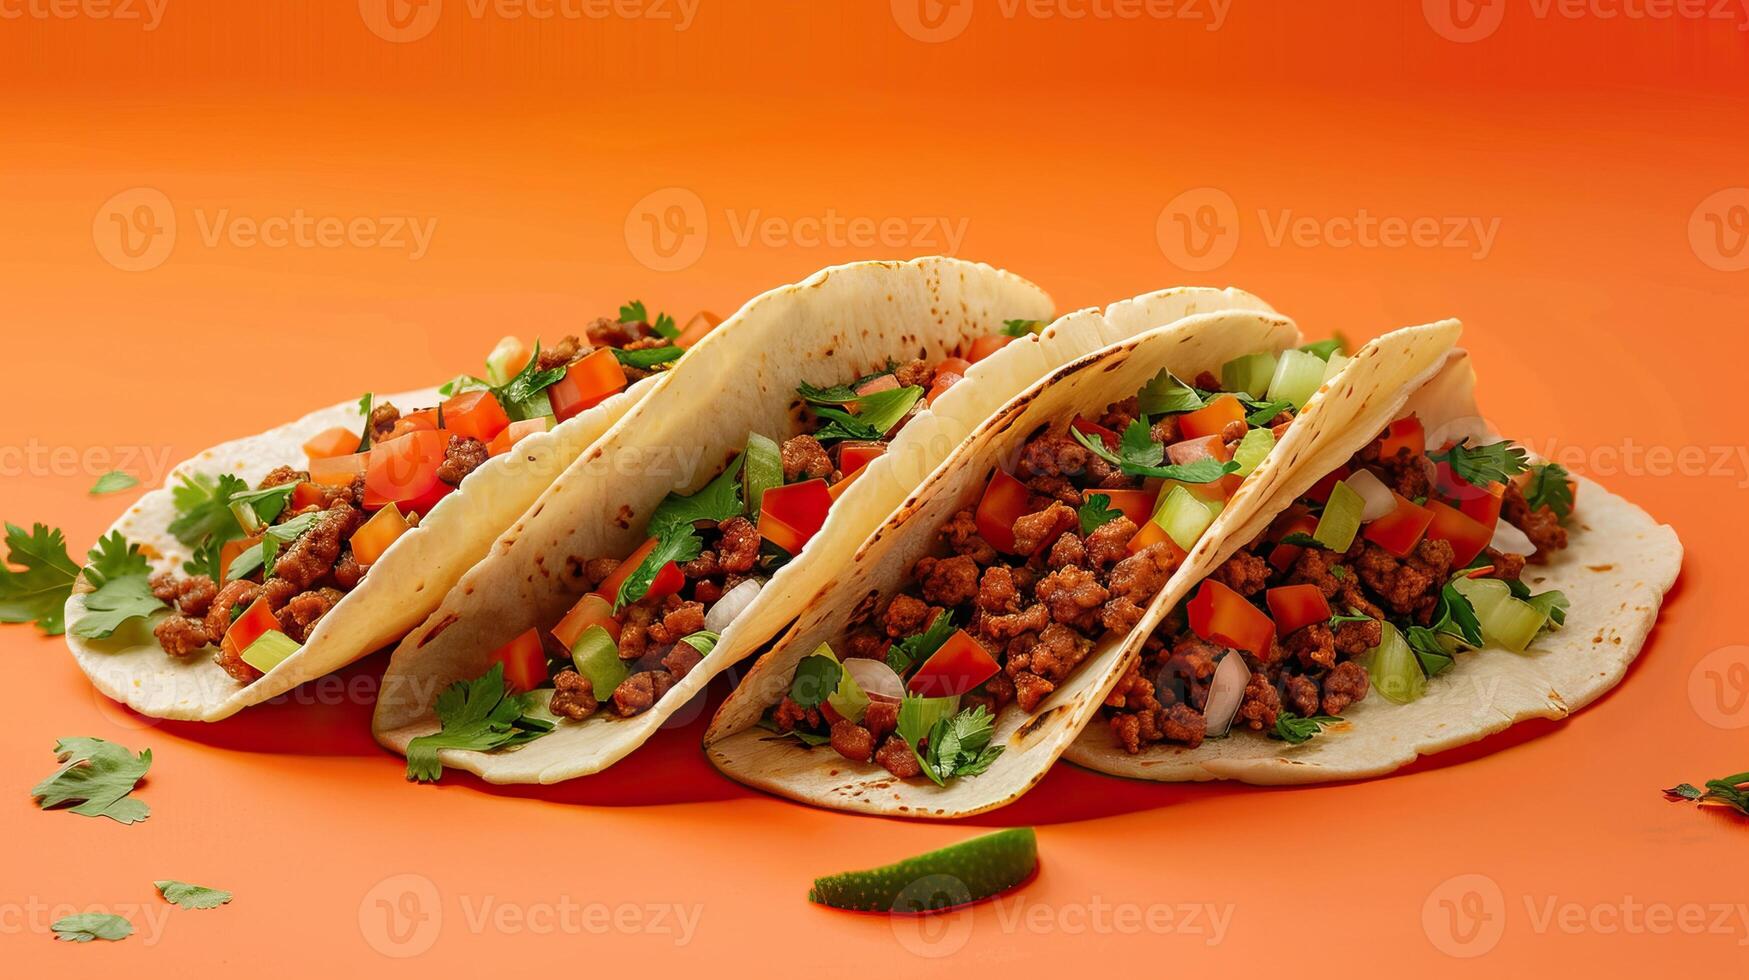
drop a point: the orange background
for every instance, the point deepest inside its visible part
(1597, 323)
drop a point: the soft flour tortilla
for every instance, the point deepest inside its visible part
(852, 318)
(1618, 564)
(880, 568)
(401, 588)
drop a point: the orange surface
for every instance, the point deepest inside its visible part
(565, 164)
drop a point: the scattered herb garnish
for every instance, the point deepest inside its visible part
(1301, 539)
(38, 591)
(477, 715)
(663, 324)
(185, 895)
(1096, 512)
(115, 481)
(1140, 456)
(959, 746)
(1728, 791)
(671, 524)
(87, 926)
(1549, 488)
(365, 404)
(261, 554)
(1294, 730)
(524, 396)
(1165, 394)
(121, 577)
(203, 508)
(877, 412)
(98, 776)
(1432, 654)
(1482, 466)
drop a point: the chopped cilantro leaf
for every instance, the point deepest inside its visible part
(262, 554)
(876, 414)
(1553, 604)
(1262, 412)
(1435, 658)
(86, 926)
(1021, 328)
(1549, 488)
(36, 592)
(1294, 730)
(524, 396)
(365, 405)
(115, 481)
(1129, 454)
(646, 358)
(477, 715)
(1165, 394)
(960, 746)
(1301, 539)
(679, 544)
(1455, 614)
(1096, 512)
(98, 776)
(203, 508)
(816, 677)
(716, 501)
(913, 650)
(1481, 466)
(185, 895)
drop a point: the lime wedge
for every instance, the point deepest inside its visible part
(969, 871)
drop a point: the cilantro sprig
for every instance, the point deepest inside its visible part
(97, 776)
(1729, 791)
(953, 747)
(1295, 730)
(1139, 455)
(1095, 512)
(36, 592)
(1482, 466)
(663, 324)
(1549, 488)
(480, 715)
(184, 895)
(815, 679)
(671, 524)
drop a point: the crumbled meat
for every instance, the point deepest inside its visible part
(1409, 586)
(1051, 658)
(681, 659)
(233, 595)
(1541, 525)
(739, 547)
(1069, 550)
(348, 572)
(996, 591)
(1118, 415)
(947, 581)
(682, 619)
(634, 630)
(573, 696)
(1207, 381)
(1354, 639)
(1507, 565)
(1260, 705)
(1073, 596)
(1314, 644)
(1185, 725)
(852, 741)
(313, 554)
(1301, 695)
(641, 690)
(906, 615)
(299, 616)
(961, 534)
(282, 475)
(1133, 583)
(609, 332)
(1343, 686)
(1030, 689)
(896, 757)
(462, 456)
(704, 566)
(182, 635)
(1109, 542)
(1244, 573)
(597, 570)
(805, 459)
(1038, 530)
(560, 354)
(882, 718)
(383, 418)
(789, 715)
(865, 643)
(915, 373)
(1165, 430)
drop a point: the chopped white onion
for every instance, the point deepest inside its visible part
(1511, 540)
(730, 607)
(1226, 690)
(1377, 496)
(876, 679)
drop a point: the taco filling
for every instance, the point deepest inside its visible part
(1374, 580)
(1070, 547)
(270, 561)
(649, 617)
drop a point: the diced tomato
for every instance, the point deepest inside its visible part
(515, 432)
(960, 665)
(1003, 503)
(790, 515)
(1220, 615)
(1479, 504)
(1211, 419)
(338, 441)
(985, 346)
(943, 381)
(954, 365)
(384, 528)
(475, 415)
(1137, 505)
(403, 472)
(884, 382)
(1320, 491)
(338, 471)
(1294, 606)
(249, 627)
(1110, 438)
(853, 456)
(701, 323)
(1405, 433)
(306, 495)
(1400, 531)
(593, 609)
(586, 384)
(1206, 447)
(837, 489)
(229, 551)
(669, 580)
(1152, 534)
(1283, 556)
(1467, 536)
(524, 660)
(424, 420)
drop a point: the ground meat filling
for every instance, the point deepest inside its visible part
(1313, 670)
(463, 456)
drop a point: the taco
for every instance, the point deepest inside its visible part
(1416, 586)
(631, 583)
(956, 654)
(284, 556)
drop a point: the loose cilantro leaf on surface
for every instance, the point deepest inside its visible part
(1021, 328)
(960, 746)
(1294, 730)
(716, 501)
(680, 544)
(185, 895)
(1262, 412)
(913, 650)
(648, 357)
(1480, 466)
(203, 508)
(634, 312)
(114, 481)
(1165, 394)
(1549, 488)
(1096, 512)
(87, 926)
(98, 775)
(816, 677)
(1728, 791)
(1324, 348)
(1206, 470)
(37, 592)
(477, 715)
